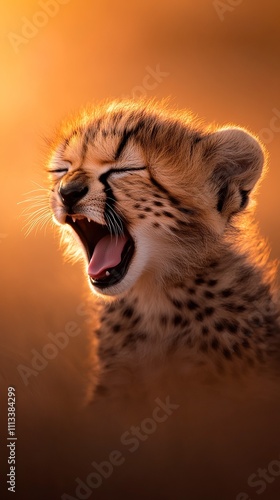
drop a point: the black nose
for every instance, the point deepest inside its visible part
(71, 193)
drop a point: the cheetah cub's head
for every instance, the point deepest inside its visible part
(148, 194)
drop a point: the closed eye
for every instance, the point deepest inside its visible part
(58, 171)
(59, 168)
(124, 170)
(118, 171)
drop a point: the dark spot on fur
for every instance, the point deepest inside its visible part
(135, 321)
(212, 282)
(191, 291)
(141, 216)
(227, 353)
(116, 328)
(205, 330)
(168, 214)
(249, 298)
(156, 224)
(220, 326)
(232, 307)
(215, 344)
(246, 331)
(177, 303)
(186, 322)
(236, 350)
(199, 281)
(129, 339)
(177, 319)
(199, 316)
(182, 223)
(226, 293)
(157, 214)
(128, 312)
(245, 344)
(173, 200)
(209, 311)
(214, 264)
(255, 321)
(137, 205)
(187, 211)
(192, 305)
(163, 319)
(158, 203)
(232, 326)
(208, 294)
(245, 273)
(240, 308)
(147, 209)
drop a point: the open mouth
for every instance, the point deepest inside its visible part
(109, 254)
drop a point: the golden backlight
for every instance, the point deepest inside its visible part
(220, 59)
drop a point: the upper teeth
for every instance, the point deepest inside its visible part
(75, 218)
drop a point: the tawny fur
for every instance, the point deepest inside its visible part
(199, 294)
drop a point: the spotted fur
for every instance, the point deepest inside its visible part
(199, 289)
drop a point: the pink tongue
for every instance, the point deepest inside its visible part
(107, 253)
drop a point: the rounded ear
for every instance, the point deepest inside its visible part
(234, 159)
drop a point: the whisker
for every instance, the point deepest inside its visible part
(33, 199)
(37, 223)
(36, 213)
(41, 187)
(118, 224)
(29, 209)
(110, 226)
(36, 190)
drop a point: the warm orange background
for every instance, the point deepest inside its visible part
(223, 70)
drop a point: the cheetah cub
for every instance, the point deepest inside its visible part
(159, 207)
